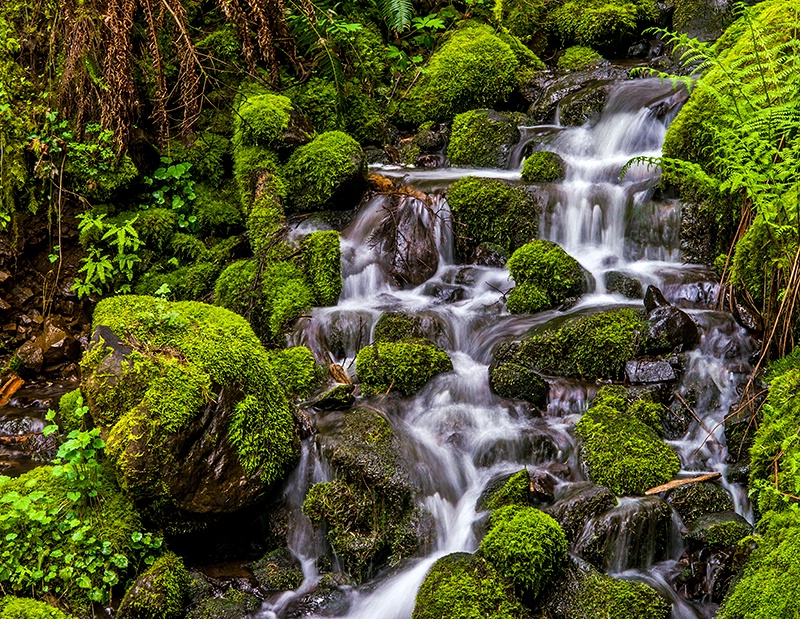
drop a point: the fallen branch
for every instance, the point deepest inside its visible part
(682, 482)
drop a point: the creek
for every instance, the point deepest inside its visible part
(460, 435)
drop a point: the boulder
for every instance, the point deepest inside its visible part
(337, 398)
(669, 329)
(653, 298)
(159, 593)
(278, 570)
(576, 503)
(649, 372)
(489, 255)
(718, 529)
(625, 285)
(692, 501)
(328, 599)
(543, 167)
(482, 139)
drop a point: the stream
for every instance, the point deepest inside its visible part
(460, 435)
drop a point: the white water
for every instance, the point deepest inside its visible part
(460, 434)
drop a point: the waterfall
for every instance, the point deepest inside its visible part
(460, 435)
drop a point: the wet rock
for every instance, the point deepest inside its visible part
(430, 140)
(625, 285)
(740, 425)
(31, 356)
(328, 599)
(707, 572)
(746, 314)
(511, 489)
(160, 592)
(516, 380)
(337, 398)
(583, 106)
(700, 236)
(445, 293)
(718, 529)
(56, 342)
(692, 501)
(646, 372)
(542, 487)
(375, 155)
(575, 504)
(536, 447)
(278, 570)
(233, 605)
(669, 329)
(654, 298)
(482, 138)
(705, 20)
(489, 255)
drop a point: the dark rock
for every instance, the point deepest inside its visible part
(705, 20)
(645, 372)
(377, 155)
(56, 342)
(669, 329)
(21, 295)
(536, 447)
(489, 255)
(328, 599)
(638, 50)
(337, 398)
(299, 131)
(718, 529)
(654, 298)
(278, 570)
(31, 356)
(700, 236)
(446, 293)
(699, 499)
(542, 487)
(706, 572)
(625, 285)
(583, 106)
(515, 380)
(233, 605)
(575, 504)
(429, 161)
(746, 314)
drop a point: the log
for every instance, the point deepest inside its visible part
(682, 482)
(339, 375)
(10, 387)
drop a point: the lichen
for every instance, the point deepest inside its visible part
(403, 366)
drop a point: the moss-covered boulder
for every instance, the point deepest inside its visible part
(767, 585)
(581, 592)
(578, 57)
(587, 346)
(328, 173)
(520, 381)
(692, 501)
(545, 275)
(235, 604)
(725, 529)
(195, 418)
(403, 366)
(12, 607)
(487, 210)
(526, 546)
(705, 20)
(369, 508)
(543, 167)
(296, 370)
(158, 593)
(473, 69)
(278, 570)
(603, 24)
(508, 490)
(482, 139)
(464, 585)
(321, 256)
(576, 504)
(621, 451)
(524, 19)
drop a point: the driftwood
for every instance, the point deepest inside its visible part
(9, 388)
(682, 482)
(339, 375)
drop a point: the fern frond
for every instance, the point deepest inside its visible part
(396, 13)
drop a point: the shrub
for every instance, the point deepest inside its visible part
(482, 139)
(322, 256)
(473, 69)
(462, 585)
(158, 593)
(578, 57)
(524, 545)
(490, 211)
(400, 366)
(543, 167)
(545, 274)
(329, 172)
(622, 452)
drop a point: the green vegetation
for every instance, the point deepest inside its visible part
(234, 604)
(545, 275)
(513, 491)
(543, 167)
(326, 173)
(158, 593)
(621, 451)
(463, 585)
(490, 211)
(395, 327)
(517, 380)
(602, 24)
(261, 120)
(578, 57)
(22, 608)
(296, 371)
(525, 19)
(524, 545)
(322, 257)
(403, 366)
(481, 138)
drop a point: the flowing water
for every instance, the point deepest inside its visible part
(459, 434)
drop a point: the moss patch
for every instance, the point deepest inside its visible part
(400, 366)
(543, 167)
(322, 256)
(296, 370)
(22, 608)
(513, 490)
(578, 57)
(602, 24)
(545, 274)
(482, 139)
(158, 593)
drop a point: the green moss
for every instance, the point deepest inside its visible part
(473, 69)
(364, 118)
(100, 183)
(513, 491)
(490, 211)
(252, 166)
(278, 571)
(545, 274)
(188, 248)
(543, 167)
(69, 406)
(578, 57)
(327, 172)
(297, 370)
(396, 326)
(516, 380)
(767, 586)
(525, 19)
(217, 349)
(400, 366)
(155, 226)
(725, 529)
(526, 546)
(261, 120)
(22, 608)
(482, 139)
(602, 24)
(187, 283)
(266, 225)
(217, 210)
(322, 257)
(158, 593)
(623, 453)
(318, 99)
(462, 586)
(208, 153)
(234, 604)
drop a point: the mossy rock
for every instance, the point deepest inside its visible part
(403, 366)
(12, 607)
(194, 414)
(209, 155)
(622, 452)
(587, 346)
(603, 24)
(188, 283)
(543, 167)
(322, 257)
(473, 69)
(234, 604)
(482, 139)
(768, 584)
(545, 275)
(463, 585)
(692, 501)
(369, 508)
(487, 210)
(296, 370)
(525, 546)
(329, 172)
(100, 183)
(261, 120)
(581, 592)
(70, 411)
(397, 326)
(578, 57)
(725, 529)
(705, 20)
(278, 570)
(158, 593)
(524, 19)
(576, 504)
(514, 380)
(508, 490)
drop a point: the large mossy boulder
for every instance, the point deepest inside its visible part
(487, 210)
(369, 508)
(463, 585)
(768, 584)
(603, 24)
(159, 593)
(621, 451)
(321, 256)
(328, 173)
(581, 592)
(473, 69)
(12, 607)
(196, 420)
(704, 20)
(545, 275)
(482, 139)
(235, 604)
(403, 366)
(543, 167)
(586, 346)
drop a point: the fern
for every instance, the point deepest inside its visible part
(396, 13)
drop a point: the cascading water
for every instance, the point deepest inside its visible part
(460, 435)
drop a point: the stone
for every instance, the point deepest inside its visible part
(746, 314)
(278, 570)
(337, 398)
(669, 329)
(692, 501)
(647, 372)
(328, 599)
(575, 504)
(653, 298)
(31, 356)
(57, 344)
(718, 529)
(625, 285)
(488, 255)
